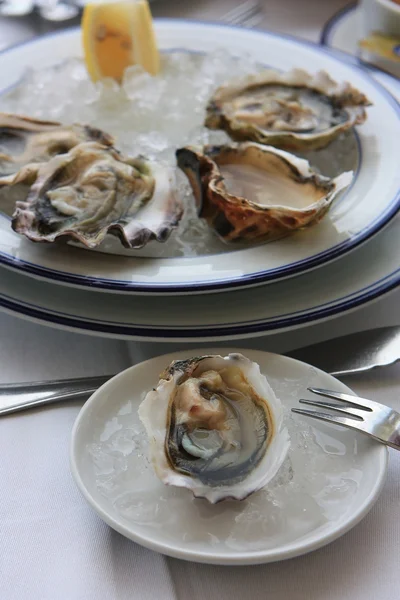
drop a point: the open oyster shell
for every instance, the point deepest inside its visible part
(215, 427)
(24, 140)
(93, 190)
(293, 110)
(271, 193)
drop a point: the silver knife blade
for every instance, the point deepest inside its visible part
(353, 353)
(345, 355)
(20, 396)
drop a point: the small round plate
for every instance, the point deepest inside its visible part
(364, 208)
(327, 485)
(342, 32)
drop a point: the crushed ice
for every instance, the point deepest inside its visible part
(153, 116)
(314, 485)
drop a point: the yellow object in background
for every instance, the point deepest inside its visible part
(116, 35)
(382, 45)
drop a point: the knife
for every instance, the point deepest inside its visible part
(345, 355)
(353, 353)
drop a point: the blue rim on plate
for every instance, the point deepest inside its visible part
(347, 303)
(329, 31)
(89, 282)
(333, 21)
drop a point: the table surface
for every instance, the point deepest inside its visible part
(52, 545)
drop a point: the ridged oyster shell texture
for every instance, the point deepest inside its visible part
(292, 110)
(250, 191)
(317, 485)
(215, 427)
(152, 117)
(71, 182)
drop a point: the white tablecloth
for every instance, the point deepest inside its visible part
(54, 547)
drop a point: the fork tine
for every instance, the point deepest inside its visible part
(363, 403)
(336, 420)
(248, 13)
(349, 411)
(237, 12)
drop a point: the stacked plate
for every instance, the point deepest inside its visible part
(348, 259)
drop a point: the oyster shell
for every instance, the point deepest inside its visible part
(253, 192)
(24, 140)
(93, 190)
(215, 427)
(293, 110)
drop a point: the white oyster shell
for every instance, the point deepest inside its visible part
(292, 110)
(93, 190)
(161, 419)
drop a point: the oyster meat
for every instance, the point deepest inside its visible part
(93, 190)
(248, 191)
(293, 110)
(215, 427)
(24, 140)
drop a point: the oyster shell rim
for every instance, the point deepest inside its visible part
(321, 82)
(129, 235)
(211, 194)
(158, 455)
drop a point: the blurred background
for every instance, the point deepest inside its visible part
(24, 19)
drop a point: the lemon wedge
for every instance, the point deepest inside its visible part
(116, 35)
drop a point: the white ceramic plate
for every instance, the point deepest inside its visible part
(341, 32)
(362, 210)
(342, 286)
(328, 484)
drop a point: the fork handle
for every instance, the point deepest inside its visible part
(15, 397)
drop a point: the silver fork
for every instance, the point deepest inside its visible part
(376, 420)
(247, 14)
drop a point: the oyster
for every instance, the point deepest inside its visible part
(215, 427)
(93, 190)
(293, 110)
(24, 140)
(249, 191)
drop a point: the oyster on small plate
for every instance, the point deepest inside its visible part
(250, 192)
(93, 190)
(24, 140)
(293, 110)
(215, 427)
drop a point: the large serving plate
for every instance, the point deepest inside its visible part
(368, 273)
(336, 475)
(359, 213)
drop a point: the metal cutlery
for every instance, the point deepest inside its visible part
(51, 10)
(247, 14)
(16, 8)
(20, 396)
(353, 353)
(376, 420)
(346, 355)
(54, 10)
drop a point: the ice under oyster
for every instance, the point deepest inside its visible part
(93, 190)
(248, 191)
(292, 110)
(215, 427)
